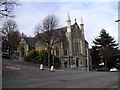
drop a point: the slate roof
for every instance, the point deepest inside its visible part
(60, 34)
(30, 41)
(35, 42)
(40, 43)
(86, 42)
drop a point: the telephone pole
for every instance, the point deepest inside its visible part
(118, 33)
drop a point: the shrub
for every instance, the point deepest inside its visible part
(41, 57)
(33, 53)
(26, 58)
(32, 56)
(36, 56)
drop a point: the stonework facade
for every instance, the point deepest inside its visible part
(26, 44)
(73, 50)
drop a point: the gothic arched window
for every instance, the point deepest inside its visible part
(65, 52)
(57, 51)
(76, 49)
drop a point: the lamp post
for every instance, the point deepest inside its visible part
(117, 20)
(52, 67)
(53, 55)
(118, 32)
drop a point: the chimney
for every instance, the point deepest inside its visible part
(68, 24)
(81, 25)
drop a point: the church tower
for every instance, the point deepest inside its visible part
(83, 42)
(69, 36)
(68, 24)
(82, 28)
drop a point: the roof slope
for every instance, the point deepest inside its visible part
(30, 41)
(61, 36)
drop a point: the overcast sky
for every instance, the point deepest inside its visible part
(95, 15)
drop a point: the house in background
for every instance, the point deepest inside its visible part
(26, 44)
(72, 50)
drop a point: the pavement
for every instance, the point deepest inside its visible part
(19, 74)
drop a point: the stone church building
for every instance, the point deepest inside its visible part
(73, 50)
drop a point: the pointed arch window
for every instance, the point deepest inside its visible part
(81, 46)
(65, 52)
(57, 51)
(76, 49)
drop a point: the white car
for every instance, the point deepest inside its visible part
(73, 66)
(113, 69)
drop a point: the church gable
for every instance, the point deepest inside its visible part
(76, 31)
(30, 41)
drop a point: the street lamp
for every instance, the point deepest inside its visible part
(117, 20)
(118, 33)
(52, 67)
(53, 55)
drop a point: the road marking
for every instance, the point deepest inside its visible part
(51, 82)
(43, 84)
(6, 68)
(12, 67)
(59, 70)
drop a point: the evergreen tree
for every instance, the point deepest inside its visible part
(105, 50)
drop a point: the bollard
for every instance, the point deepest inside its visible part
(52, 69)
(41, 66)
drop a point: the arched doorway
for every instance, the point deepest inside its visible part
(22, 52)
(65, 64)
(77, 62)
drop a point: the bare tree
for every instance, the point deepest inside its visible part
(11, 36)
(8, 26)
(47, 33)
(7, 7)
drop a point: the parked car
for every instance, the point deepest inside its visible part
(73, 66)
(113, 69)
(5, 54)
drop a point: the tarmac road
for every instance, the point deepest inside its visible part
(16, 74)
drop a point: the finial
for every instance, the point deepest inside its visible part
(75, 20)
(81, 21)
(68, 16)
